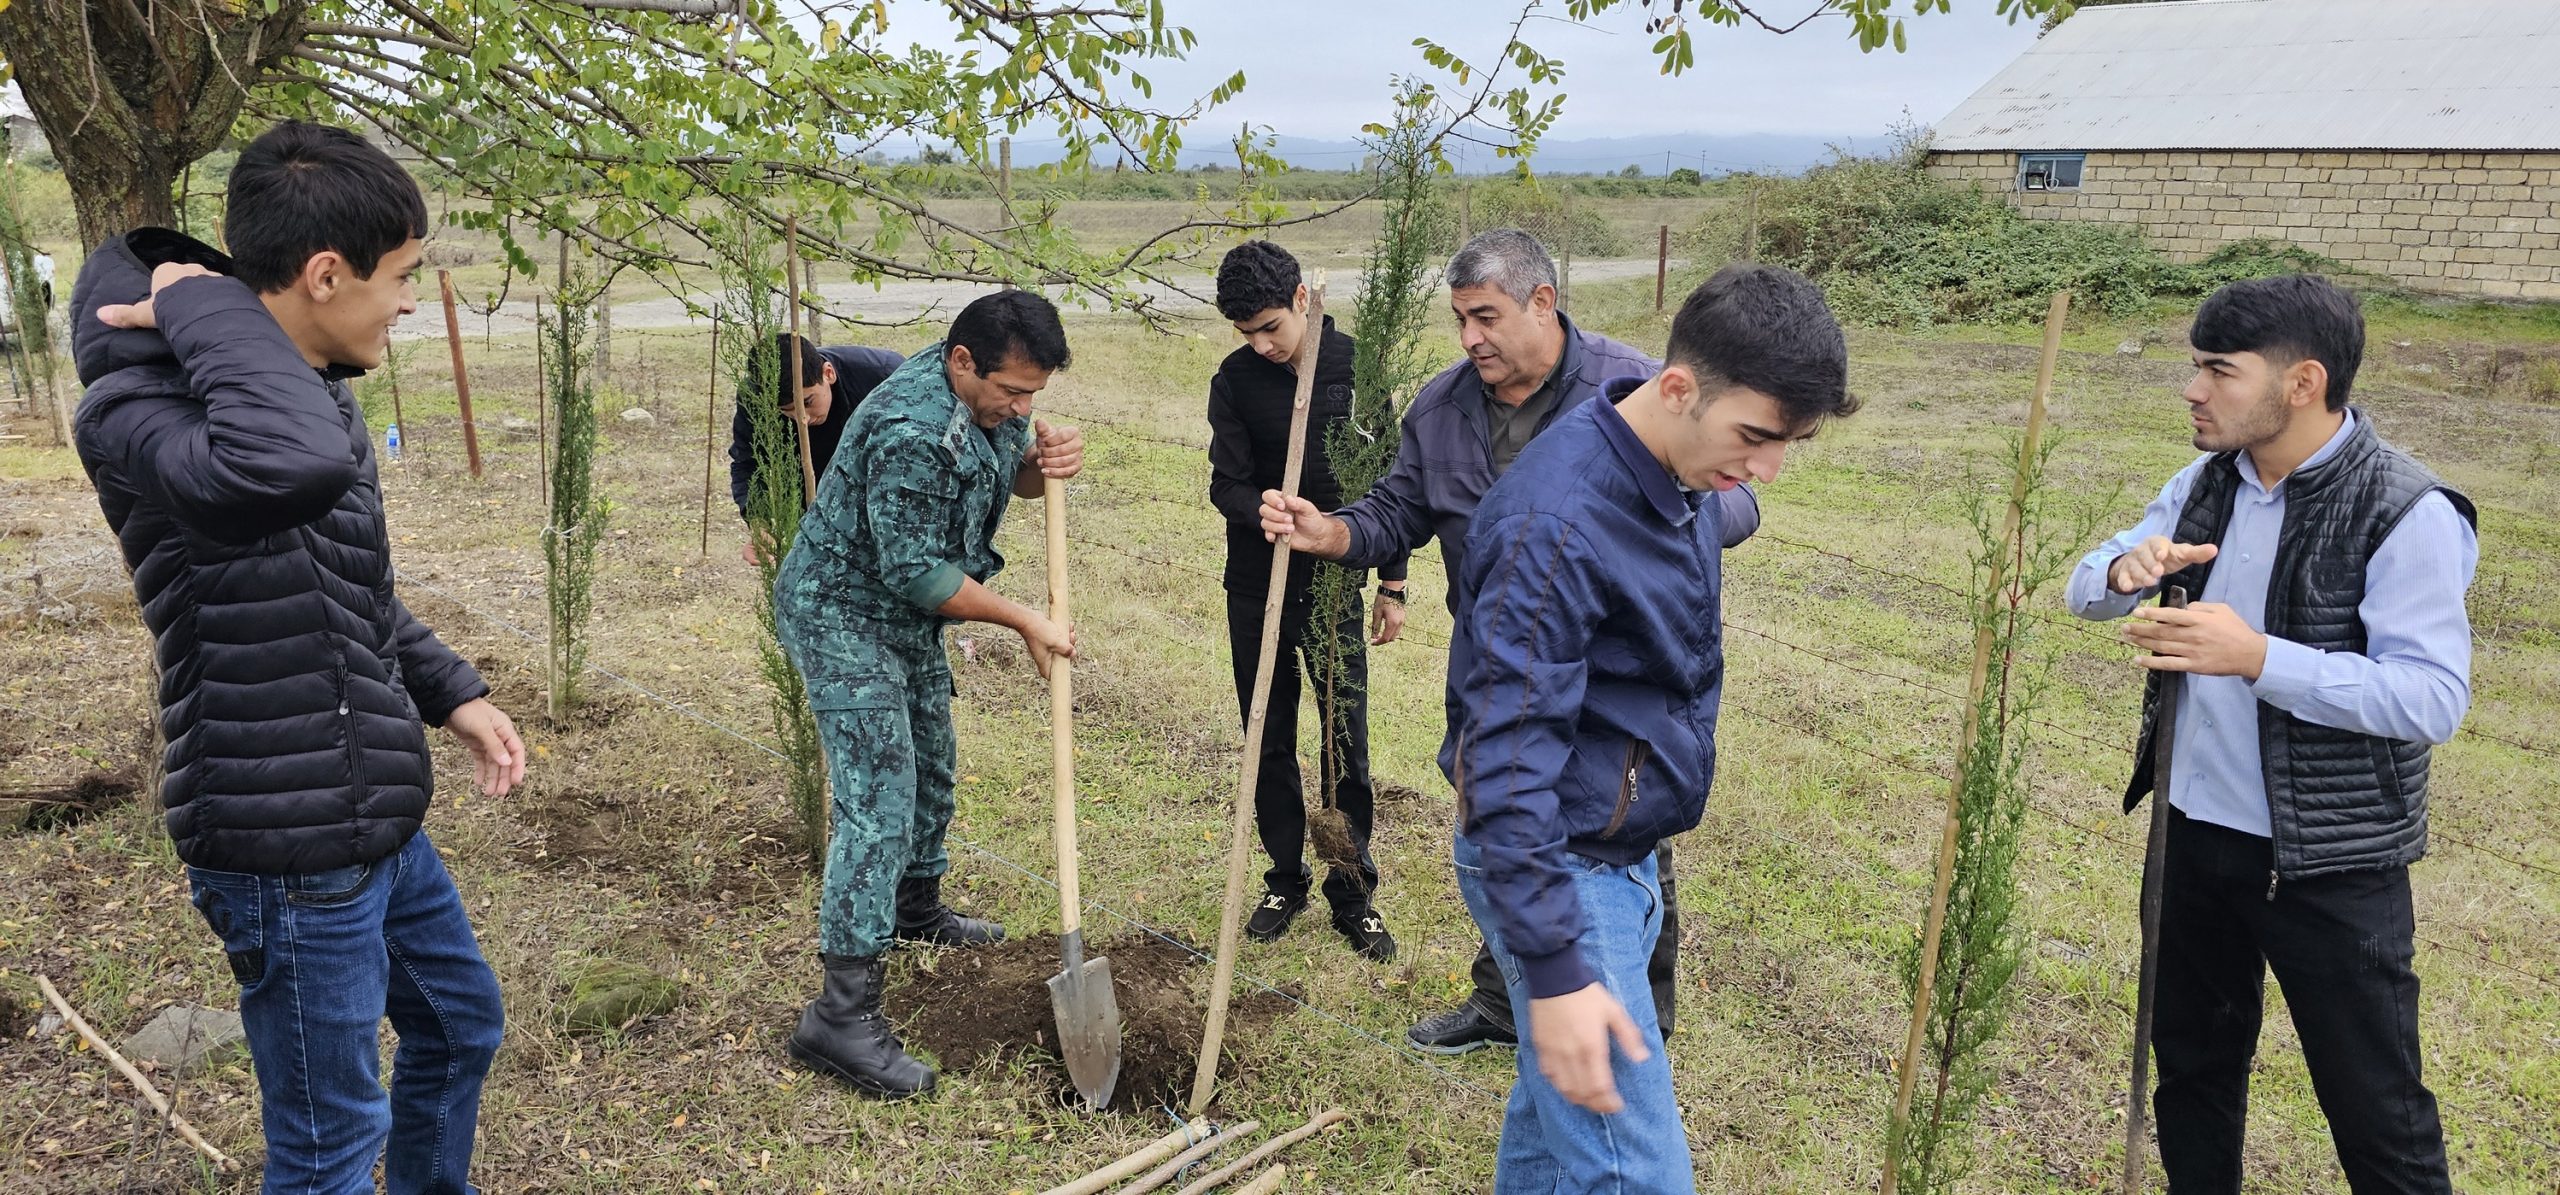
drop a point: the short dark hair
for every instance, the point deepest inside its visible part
(812, 366)
(1767, 329)
(303, 189)
(1255, 277)
(999, 327)
(2287, 319)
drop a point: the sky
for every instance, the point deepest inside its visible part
(1320, 68)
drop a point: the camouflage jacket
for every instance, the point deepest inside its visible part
(909, 507)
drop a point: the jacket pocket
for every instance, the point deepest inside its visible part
(1638, 751)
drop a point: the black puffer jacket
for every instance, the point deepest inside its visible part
(241, 484)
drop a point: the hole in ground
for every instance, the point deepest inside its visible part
(966, 1007)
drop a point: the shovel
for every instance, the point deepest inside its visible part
(2155, 860)
(1088, 1011)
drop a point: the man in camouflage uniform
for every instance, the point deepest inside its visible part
(898, 545)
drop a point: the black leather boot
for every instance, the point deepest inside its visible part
(843, 1034)
(922, 917)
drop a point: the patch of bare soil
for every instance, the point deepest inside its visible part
(967, 1007)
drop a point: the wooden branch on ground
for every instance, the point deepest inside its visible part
(1275, 1145)
(159, 1103)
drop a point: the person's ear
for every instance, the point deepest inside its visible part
(1678, 386)
(1298, 299)
(1542, 301)
(322, 274)
(2306, 384)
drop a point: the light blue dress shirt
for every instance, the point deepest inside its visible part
(2413, 683)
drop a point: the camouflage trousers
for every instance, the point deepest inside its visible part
(882, 699)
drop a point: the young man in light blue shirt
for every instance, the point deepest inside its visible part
(2328, 650)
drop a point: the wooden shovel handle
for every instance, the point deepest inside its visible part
(1062, 700)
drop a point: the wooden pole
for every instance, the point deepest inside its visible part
(541, 409)
(799, 416)
(1982, 639)
(159, 1103)
(461, 379)
(1266, 1182)
(2155, 858)
(398, 420)
(1240, 830)
(1751, 225)
(710, 431)
(1164, 1174)
(1661, 268)
(1564, 268)
(1004, 172)
(1137, 1160)
(1275, 1145)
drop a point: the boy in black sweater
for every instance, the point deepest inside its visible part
(1250, 400)
(833, 381)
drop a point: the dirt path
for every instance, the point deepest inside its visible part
(886, 303)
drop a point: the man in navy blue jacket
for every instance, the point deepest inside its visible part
(295, 687)
(1526, 365)
(1590, 684)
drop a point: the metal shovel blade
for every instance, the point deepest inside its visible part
(1088, 1023)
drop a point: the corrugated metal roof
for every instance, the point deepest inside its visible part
(2278, 74)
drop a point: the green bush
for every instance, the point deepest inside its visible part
(1544, 212)
(1893, 246)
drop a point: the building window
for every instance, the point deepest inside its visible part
(2049, 172)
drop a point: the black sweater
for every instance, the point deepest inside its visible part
(858, 369)
(1249, 402)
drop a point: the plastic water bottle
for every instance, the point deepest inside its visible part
(391, 441)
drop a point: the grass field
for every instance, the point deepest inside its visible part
(649, 831)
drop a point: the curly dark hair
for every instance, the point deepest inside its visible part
(1256, 276)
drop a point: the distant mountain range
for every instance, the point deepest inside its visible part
(1707, 153)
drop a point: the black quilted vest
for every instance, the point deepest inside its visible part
(2337, 800)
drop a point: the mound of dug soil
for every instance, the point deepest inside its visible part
(41, 809)
(966, 1007)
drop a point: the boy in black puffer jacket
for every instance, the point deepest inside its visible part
(235, 468)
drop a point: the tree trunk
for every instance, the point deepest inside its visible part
(129, 100)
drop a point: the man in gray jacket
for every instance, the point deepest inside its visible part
(1526, 364)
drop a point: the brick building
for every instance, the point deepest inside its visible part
(2416, 141)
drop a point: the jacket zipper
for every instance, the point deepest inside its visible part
(2272, 878)
(1637, 752)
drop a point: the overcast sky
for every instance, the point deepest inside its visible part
(1320, 68)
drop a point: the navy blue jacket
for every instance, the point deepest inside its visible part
(1592, 678)
(1444, 465)
(240, 482)
(858, 370)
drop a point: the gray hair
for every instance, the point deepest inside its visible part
(1506, 259)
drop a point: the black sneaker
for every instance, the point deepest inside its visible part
(1271, 918)
(1367, 934)
(1458, 1031)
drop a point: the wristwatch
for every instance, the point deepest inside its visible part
(1390, 595)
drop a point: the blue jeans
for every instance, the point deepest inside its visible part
(1549, 1145)
(321, 959)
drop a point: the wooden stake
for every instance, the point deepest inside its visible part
(1982, 637)
(541, 410)
(398, 420)
(710, 431)
(1137, 1160)
(799, 416)
(1240, 829)
(159, 1103)
(1751, 226)
(461, 379)
(1661, 268)
(1275, 1145)
(2155, 858)
(1164, 1174)
(1265, 1183)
